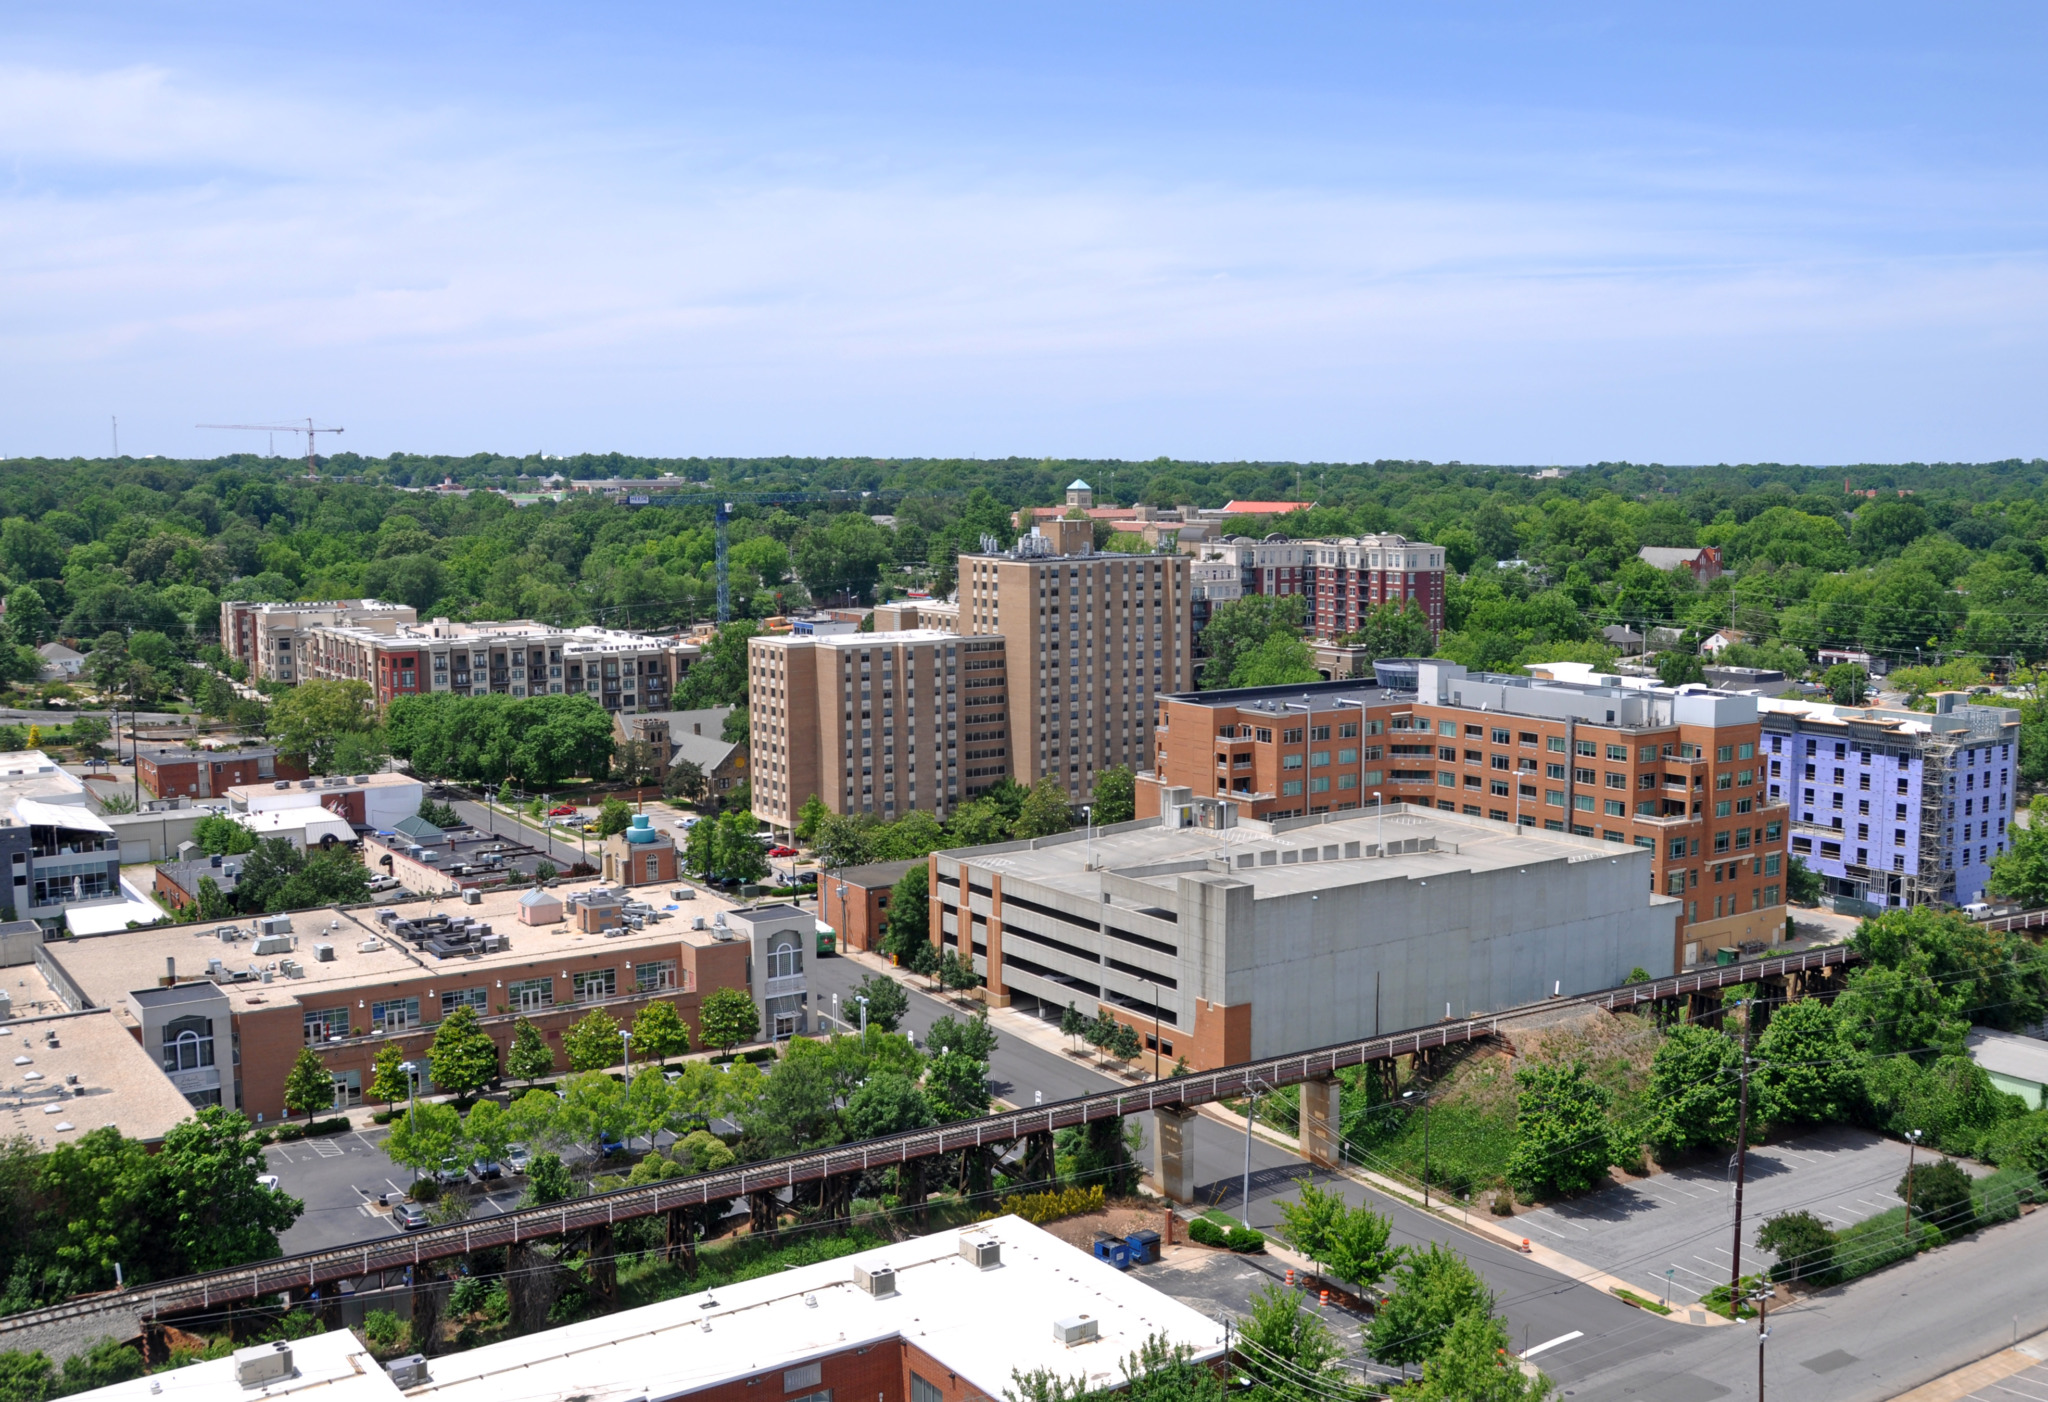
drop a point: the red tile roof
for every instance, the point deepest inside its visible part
(1266, 508)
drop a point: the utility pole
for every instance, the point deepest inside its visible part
(1763, 1305)
(1741, 1163)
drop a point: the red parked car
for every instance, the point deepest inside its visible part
(562, 810)
(782, 851)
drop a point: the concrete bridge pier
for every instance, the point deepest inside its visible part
(1173, 1151)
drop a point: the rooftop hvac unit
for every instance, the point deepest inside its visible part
(696, 922)
(409, 1371)
(323, 954)
(272, 944)
(266, 1363)
(282, 784)
(472, 898)
(214, 968)
(369, 946)
(309, 783)
(1078, 1330)
(879, 1281)
(274, 925)
(228, 933)
(985, 1252)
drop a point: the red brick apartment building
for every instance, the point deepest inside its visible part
(183, 773)
(1674, 772)
(1342, 579)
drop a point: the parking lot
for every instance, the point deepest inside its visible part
(1669, 1235)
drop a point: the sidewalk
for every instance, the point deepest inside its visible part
(2028, 1356)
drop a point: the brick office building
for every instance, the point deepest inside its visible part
(183, 773)
(620, 670)
(1678, 773)
(345, 983)
(854, 901)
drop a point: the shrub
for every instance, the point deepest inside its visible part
(289, 1131)
(1038, 1208)
(1244, 1239)
(425, 1190)
(1998, 1197)
(383, 1330)
(1877, 1242)
(1204, 1232)
(383, 1117)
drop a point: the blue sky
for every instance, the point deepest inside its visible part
(1504, 234)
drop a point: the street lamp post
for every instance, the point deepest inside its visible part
(862, 999)
(1379, 821)
(626, 1037)
(1251, 1113)
(412, 1083)
(1912, 1143)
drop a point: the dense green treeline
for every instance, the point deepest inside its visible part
(131, 559)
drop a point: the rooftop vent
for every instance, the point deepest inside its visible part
(1080, 1329)
(266, 1363)
(409, 1371)
(879, 1281)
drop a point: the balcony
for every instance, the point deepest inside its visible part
(787, 986)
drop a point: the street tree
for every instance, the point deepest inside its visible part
(808, 817)
(311, 721)
(956, 972)
(659, 1032)
(1125, 1046)
(615, 816)
(464, 1057)
(426, 1137)
(887, 1003)
(1115, 797)
(206, 1199)
(972, 1035)
(956, 1084)
(309, 1085)
(889, 1102)
(727, 1018)
(389, 1081)
(1289, 1354)
(1561, 1133)
(1312, 1219)
(530, 1058)
(1693, 1086)
(486, 1130)
(909, 913)
(1433, 1290)
(1474, 1362)
(593, 1044)
(1045, 812)
(1073, 1023)
(1360, 1248)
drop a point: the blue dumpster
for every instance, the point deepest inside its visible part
(1117, 1253)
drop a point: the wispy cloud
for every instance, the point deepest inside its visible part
(466, 273)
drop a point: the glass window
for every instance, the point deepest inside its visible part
(653, 974)
(785, 960)
(326, 1024)
(394, 1013)
(1348, 756)
(1319, 784)
(188, 1043)
(1290, 788)
(478, 998)
(592, 984)
(522, 995)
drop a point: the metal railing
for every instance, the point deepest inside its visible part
(313, 1269)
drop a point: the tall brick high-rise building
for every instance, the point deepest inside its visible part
(1092, 639)
(875, 722)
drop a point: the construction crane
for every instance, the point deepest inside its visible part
(308, 430)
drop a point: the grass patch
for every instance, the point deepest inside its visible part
(1641, 1302)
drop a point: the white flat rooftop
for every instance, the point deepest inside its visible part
(337, 1365)
(981, 1324)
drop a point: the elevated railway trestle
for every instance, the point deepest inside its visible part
(827, 1177)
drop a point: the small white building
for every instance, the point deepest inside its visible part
(60, 663)
(540, 906)
(364, 800)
